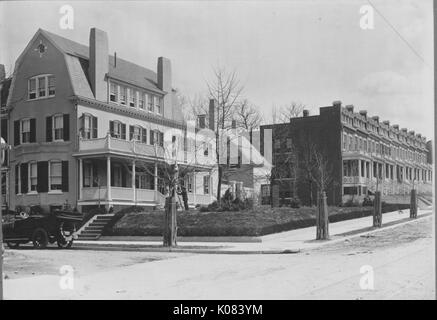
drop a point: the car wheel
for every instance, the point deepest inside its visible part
(13, 245)
(65, 244)
(40, 238)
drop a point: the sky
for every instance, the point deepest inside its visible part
(312, 52)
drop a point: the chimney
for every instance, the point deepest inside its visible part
(306, 113)
(98, 63)
(386, 122)
(201, 120)
(2, 72)
(376, 118)
(336, 103)
(363, 113)
(115, 59)
(164, 74)
(350, 108)
(211, 114)
(396, 126)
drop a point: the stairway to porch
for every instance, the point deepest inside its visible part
(92, 230)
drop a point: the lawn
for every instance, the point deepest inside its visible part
(259, 221)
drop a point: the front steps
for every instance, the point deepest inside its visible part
(93, 229)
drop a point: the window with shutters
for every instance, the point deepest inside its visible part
(116, 133)
(136, 133)
(33, 176)
(113, 92)
(55, 175)
(25, 130)
(58, 127)
(41, 86)
(88, 125)
(158, 105)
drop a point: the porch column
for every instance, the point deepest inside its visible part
(359, 169)
(80, 179)
(194, 188)
(108, 179)
(133, 181)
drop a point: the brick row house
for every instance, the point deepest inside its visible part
(363, 154)
(89, 129)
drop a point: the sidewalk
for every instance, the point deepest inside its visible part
(285, 242)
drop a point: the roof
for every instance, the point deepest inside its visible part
(125, 71)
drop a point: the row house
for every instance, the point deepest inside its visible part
(363, 155)
(90, 129)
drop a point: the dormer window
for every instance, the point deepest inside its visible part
(132, 98)
(41, 87)
(123, 93)
(150, 102)
(158, 105)
(113, 93)
(141, 100)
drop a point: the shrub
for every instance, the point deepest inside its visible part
(367, 202)
(295, 202)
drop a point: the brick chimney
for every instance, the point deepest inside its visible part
(306, 113)
(211, 114)
(350, 108)
(98, 63)
(164, 74)
(363, 113)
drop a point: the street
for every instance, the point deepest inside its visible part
(401, 259)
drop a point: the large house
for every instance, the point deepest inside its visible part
(88, 128)
(362, 154)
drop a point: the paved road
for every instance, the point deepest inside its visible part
(402, 259)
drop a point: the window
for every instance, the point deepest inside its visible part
(88, 175)
(189, 183)
(25, 131)
(132, 98)
(150, 102)
(289, 144)
(113, 92)
(277, 144)
(87, 126)
(141, 100)
(136, 133)
(117, 129)
(32, 89)
(55, 174)
(41, 87)
(206, 180)
(51, 84)
(123, 93)
(33, 176)
(58, 127)
(158, 105)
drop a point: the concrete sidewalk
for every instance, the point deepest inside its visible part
(285, 242)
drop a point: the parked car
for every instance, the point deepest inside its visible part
(42, 229)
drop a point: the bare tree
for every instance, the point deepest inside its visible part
(248, 116)
(225, 89)
(293, 110)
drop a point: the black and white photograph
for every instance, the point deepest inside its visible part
(192, 150)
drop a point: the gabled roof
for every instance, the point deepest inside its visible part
(125, 71)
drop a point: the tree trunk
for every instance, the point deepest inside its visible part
(170, 228)
(413, 204)
(322, 222)
(311, 193)
(219, 185)
(377, 210)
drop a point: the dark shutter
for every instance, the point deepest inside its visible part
(82, 125)
(65, 176)
(94, 134)
(161, 139)
(24, 176)
(16, 132)
(152, 136)
(32, 130)
(144, 135)
(123, 131)
(111, 128)
(66, 127)
(43, 176)
(131, 132)
(49, 135)
(17, 170)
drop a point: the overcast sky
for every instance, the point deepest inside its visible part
(312, 52)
